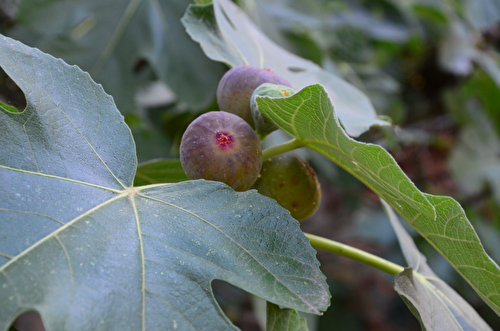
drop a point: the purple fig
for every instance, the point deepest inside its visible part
(223, 147)
(236, 88)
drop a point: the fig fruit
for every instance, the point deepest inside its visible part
(223, 147)
(237, 85)
(292, 182)
(262, 124)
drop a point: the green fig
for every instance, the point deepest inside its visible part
(262, 124)
(292, 182)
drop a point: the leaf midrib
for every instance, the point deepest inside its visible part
(130, 193)
(230, 238)
(317, 146)
(311, 143)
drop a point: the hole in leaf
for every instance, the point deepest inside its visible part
(12, 98)
(140, 65)
(236, 304)
(296, 69)
(29, 321)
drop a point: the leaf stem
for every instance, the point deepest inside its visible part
(281, 148)
(354, 254)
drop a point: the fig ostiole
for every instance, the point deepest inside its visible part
(221, 146)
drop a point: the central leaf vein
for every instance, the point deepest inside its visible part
(227, 236)
(143, 267)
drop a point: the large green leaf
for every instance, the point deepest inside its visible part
(435, 304)
(109, 38)
(227, 35)
(309, 116)
(86, 249)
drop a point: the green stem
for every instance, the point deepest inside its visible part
(281, 148)
(354, 254)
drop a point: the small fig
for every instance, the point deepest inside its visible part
(237, 85)
(292, 182)
(223, 147)
(262, 124)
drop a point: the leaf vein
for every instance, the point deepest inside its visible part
(172, 306)
(72, 281)
(230, 238)
(33, 213)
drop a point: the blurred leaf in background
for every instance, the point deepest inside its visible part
(475, 159)
(138, 50)
(124, 45)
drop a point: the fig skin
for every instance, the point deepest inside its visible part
(222, 147)
(237, 85)
(292, 182)
(262, 124)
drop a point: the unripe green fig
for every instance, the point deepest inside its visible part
(262, 124)
(223, 147)
(237, 85)
(292, 182)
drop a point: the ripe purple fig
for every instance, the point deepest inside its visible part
(223, 147)
(292, 182)
(236, 88)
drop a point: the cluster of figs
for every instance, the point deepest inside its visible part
(224, 145)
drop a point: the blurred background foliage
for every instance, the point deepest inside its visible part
(432, 66)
